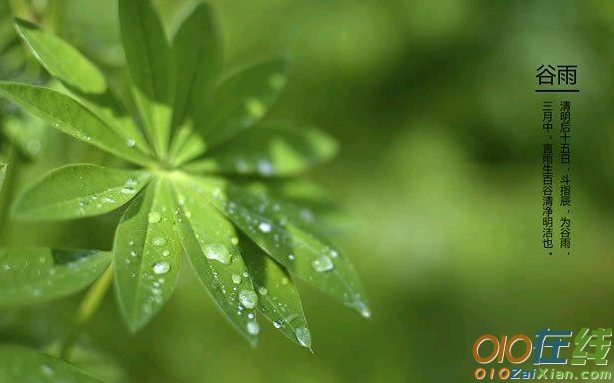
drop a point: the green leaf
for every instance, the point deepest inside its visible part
(278, 299)
(61, 60)
(243, 98)
(69, 116)
(23, 364)
(271, 150)
(289, 236)
(187, 145)
(2, 174)
(33, 275)
(81, 77)
(77, 191)
(147, 254)
(150, 62)
(197, 50)
(210, 242)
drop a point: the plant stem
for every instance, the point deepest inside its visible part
(86, 309)
(7, 195)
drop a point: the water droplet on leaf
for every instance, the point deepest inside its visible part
(248, 298)
(253, 328)
(218, 252)
(159, 241)
(154, 217)
(161, 268)
(303, 336)
(236, 279)
(322, 263)
(264, 227)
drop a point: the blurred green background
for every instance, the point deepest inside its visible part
(440, 171)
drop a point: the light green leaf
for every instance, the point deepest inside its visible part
(25, 365)
(61, 60)
(33, 275)
(243, 98)
(278, 299)
(270, 150)
(197, 50)
(82, 78)
(150, 62)
(210, 242)
(147, 254)
(77, 191)
(69, 116)
(290, 236)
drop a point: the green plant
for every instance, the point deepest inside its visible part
(206, 175)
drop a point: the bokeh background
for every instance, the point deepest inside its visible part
(439, 171)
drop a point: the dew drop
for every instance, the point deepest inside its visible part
(218, 252)
(322, 263)
(253, 328)
(161, 268)
(264, 227)
(284, 281)
(334, 253)
(154, 217)
(133, 253)
(236, 279)
(291, 257)
(166, 253)
(188, 214)
(303, 336)
(277, 324)
(263, 290)
(159, 241)
(131, 243)
(248, 298)
(130, 142)
(234, 241)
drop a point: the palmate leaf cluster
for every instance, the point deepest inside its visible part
(207, 179)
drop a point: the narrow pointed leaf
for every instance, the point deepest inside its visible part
(210, 242)
(61, 60)
(81, 77)
(69, 116)
(291, 238)
(77, 191)
(197, 50)
(147, 254)
(150, 63)
(278, 299)
(33, 275)
(243, 98)
(270, 150)
(23, 364)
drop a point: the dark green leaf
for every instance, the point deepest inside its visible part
(290, 236)
(72, 118)
(197, 50)
(210, 242)
(147, 254)
(33, 275)
(77, 191)
(150, 62)
(243, 98)
(270, 150)
(26, 365)
(278, 299)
